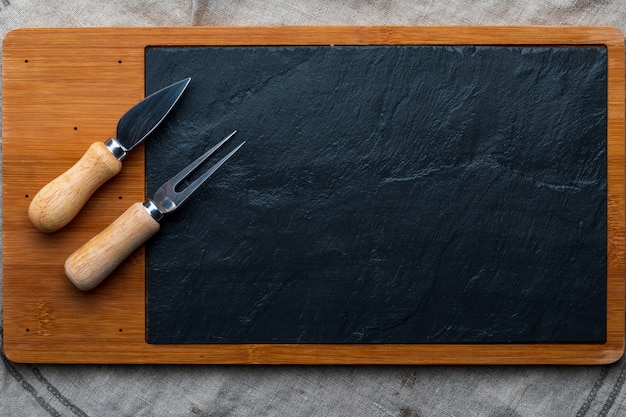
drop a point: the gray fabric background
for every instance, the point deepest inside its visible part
(399, 391)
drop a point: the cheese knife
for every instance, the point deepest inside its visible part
(58, 202)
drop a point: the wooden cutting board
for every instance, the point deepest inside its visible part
(66, 88)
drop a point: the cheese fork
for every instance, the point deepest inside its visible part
(89, 265)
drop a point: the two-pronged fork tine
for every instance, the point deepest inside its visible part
(167, 199)
(96, 259)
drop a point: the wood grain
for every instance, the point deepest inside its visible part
(66, 88)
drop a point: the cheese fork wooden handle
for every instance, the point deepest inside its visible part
(96, 259)
(57, 203)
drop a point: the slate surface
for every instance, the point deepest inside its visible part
(384, 195)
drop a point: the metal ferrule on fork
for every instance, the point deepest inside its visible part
(153, 210)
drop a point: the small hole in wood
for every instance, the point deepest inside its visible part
(26, 61)
(120, 197)
(75, 127)
(120, 330)
(119, 62)
(25, 195)
(27, 330)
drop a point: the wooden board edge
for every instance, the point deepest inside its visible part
(616, 194)
(322, 35)
(333, 354)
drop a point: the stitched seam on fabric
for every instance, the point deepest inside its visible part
(613, 395)
(593, 393)
(25, 385)
(57, 394)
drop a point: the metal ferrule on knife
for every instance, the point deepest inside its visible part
(116, 148)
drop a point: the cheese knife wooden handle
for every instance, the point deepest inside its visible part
(57, 203)
(95, 260)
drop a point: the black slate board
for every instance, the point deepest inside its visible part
(386, 194)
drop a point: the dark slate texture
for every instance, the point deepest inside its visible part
(386, 194)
